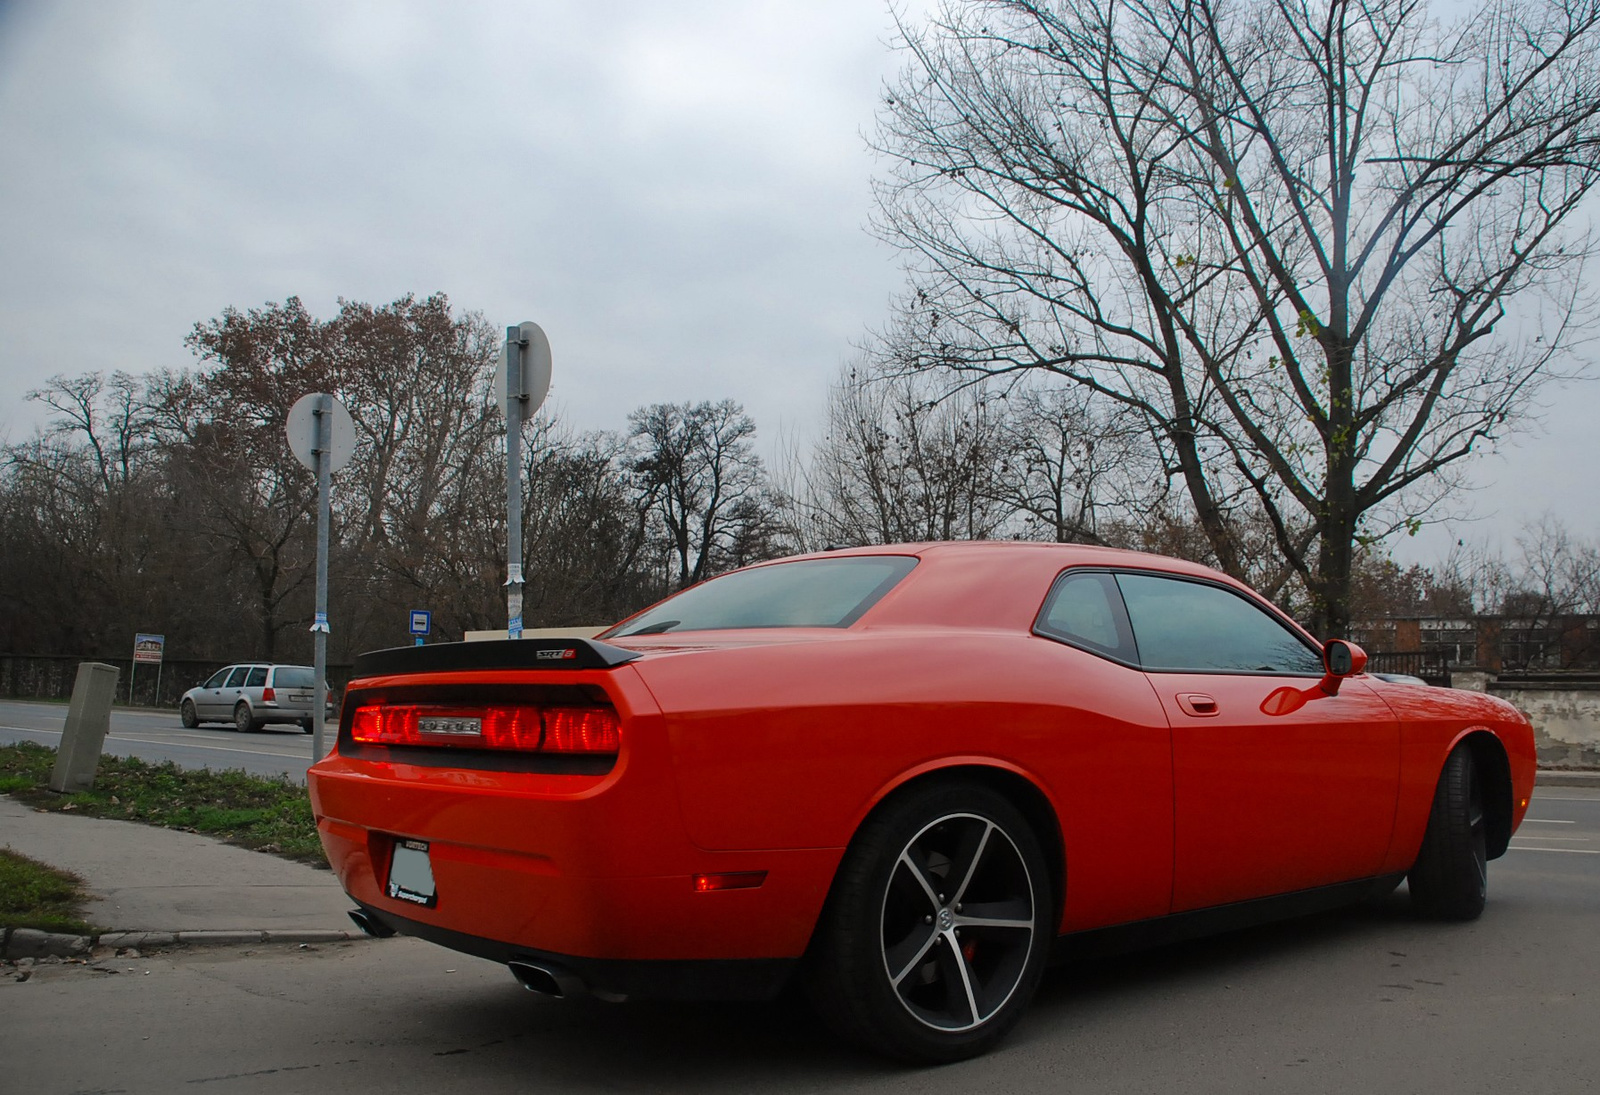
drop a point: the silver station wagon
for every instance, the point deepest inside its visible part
(252, 695)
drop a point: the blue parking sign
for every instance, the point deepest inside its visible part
(421, 621)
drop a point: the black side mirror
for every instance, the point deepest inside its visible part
(1336, 658)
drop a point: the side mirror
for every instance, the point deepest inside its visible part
(1341, 658)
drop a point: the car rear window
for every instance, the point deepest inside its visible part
(806, 593)
(258, 677)
(293, 676)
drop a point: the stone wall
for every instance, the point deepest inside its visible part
(1565, 716)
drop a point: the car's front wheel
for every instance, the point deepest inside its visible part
(936, 931)
(1450, 878)
(243, 720)
(187, 714)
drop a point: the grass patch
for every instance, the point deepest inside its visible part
(33, 895)
(269, 815)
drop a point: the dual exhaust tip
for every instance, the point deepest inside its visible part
(370, 924)
(547, 979)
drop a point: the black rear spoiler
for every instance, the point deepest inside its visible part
(494, 654)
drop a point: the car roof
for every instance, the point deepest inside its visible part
(995, 583)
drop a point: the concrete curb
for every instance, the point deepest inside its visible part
(1567, 777)
(29, 943)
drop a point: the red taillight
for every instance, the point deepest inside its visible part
(269, 695)
(581, 730)
(522, 728)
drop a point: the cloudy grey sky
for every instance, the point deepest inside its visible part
(677, 192)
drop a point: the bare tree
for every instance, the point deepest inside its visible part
(905, 460)
(1076, 467)
(1320, 247)
(697, 474)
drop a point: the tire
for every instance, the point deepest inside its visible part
(900, 963)
(243, 720)
(186, 714)
(1450, 879)
(306, 726)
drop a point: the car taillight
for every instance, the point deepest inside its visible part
(525, 728)
(269, 695)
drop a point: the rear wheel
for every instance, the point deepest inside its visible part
(243, 720)
(937, 929)
(186, 713)
(305, 726)
(1450, 879)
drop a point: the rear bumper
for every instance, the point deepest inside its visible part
(594, 872)
(683, 979)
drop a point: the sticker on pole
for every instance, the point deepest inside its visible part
(320, 623)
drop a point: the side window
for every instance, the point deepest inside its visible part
(236, 678)
(1085, 610)
(1205, 628)
(258, 676)
(216, 679)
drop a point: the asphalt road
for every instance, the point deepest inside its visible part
(1366, 999)
(158, 735)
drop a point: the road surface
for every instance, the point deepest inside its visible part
(157, 735)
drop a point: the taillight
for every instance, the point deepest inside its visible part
(526, 728)
(269, 695)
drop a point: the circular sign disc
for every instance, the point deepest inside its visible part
(302, 431)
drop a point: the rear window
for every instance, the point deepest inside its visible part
(293, 676)
(258, 677)
(808, 593)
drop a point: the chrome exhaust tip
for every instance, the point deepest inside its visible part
(370, 924)
(545, 979)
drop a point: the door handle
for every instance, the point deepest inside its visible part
(1198, 704)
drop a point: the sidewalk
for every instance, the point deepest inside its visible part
(160, 887)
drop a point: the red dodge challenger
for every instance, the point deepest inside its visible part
(907, 775)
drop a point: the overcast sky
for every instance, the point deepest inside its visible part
(677, 192)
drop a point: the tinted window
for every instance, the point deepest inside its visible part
(236, 678)
(216, 679)
(257, 678)
(1083, 609)
(292, 676)
(810, 593)
(1190, 625)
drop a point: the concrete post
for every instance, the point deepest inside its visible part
(88, 720)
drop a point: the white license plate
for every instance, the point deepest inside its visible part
(299, 697)
(411, 873)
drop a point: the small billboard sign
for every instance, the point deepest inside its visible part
(147, 648)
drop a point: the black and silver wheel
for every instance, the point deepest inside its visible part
(1450, 879)
(186, 713)
(243, 720)
(937, 929)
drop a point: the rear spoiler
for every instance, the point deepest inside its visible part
(499, 654)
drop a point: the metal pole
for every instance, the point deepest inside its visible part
(514, 407)
(319, 626)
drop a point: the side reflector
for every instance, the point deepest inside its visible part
(735, 880)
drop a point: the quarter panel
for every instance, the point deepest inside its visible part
(791, 746)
